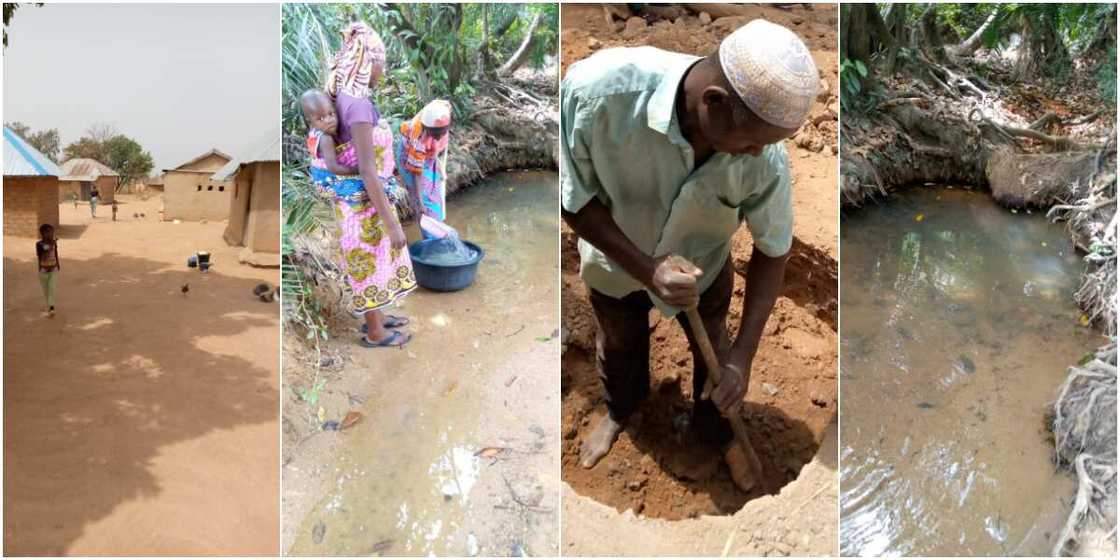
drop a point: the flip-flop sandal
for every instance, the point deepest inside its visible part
(390, 341)
(393, 322)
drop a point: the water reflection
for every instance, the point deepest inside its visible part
(957, 324)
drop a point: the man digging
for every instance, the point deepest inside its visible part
(666, 154)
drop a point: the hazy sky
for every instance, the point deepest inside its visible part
(179, 79)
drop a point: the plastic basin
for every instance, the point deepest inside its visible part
(442, 278)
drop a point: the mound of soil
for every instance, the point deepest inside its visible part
(657, 468)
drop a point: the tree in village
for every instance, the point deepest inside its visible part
(46, 141)
(102, 142)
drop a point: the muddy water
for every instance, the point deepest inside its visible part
(957, 325)
(414, 477)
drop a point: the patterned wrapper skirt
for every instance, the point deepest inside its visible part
(377, 275)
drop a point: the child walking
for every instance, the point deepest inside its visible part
(46, 249)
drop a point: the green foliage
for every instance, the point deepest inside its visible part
(46, 141)
(1106, 77)
(85, 147)
(852, 74)
(127, 158)
(432, 50)
(10, 14)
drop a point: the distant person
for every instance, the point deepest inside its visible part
(114, 209)
(374, 247)
(422, 139)
(665, 154)
(74, 198)
(46, 250)
(94, 198)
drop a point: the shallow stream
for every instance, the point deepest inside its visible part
(456, 454)
(957, 326)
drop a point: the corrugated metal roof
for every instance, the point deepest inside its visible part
(23, 160)
(266, 148)
(202, 156)
(85, 169)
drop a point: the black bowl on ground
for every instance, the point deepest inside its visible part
(442, 277)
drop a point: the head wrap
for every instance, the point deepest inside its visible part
(436, 114)
(352, 67)
(772, 71)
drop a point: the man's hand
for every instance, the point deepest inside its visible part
(674, 281)
(728, 395)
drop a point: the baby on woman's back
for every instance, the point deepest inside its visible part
(322, 141)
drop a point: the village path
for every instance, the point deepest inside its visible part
(139, 420)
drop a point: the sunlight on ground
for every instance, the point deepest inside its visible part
(96, 324)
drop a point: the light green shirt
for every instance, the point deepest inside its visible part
(620, 142)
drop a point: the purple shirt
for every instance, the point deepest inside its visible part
(353, 110)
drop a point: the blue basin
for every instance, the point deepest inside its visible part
(441, 277)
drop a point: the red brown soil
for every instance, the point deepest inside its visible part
(655, 468)
(139, 421)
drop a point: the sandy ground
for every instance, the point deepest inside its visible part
(679, 500)
(139, 420)
(414, 476)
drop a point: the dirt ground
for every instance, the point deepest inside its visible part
(139, 420)
(791, 409)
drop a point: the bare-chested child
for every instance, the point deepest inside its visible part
(46, 250)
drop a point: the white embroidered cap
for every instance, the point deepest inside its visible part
(772, 71)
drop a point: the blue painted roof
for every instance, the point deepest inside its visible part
(23, 160)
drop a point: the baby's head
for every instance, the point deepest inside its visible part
(318, 111)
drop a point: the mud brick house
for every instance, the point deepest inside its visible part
(30, 187)
(191, 194)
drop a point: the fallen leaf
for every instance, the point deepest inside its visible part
(544, 338)
(350, 419)
(1043, 243)
(919, 217)
(489, 452)
(1084, 320)
(322, 414)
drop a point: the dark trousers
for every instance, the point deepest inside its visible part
(622, 351)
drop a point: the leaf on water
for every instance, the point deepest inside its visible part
(489, 452)
(350, 419)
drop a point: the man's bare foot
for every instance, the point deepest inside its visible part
(598, 444)
(740, 467)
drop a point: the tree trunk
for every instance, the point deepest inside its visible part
(859, 40)
(896, 28)
(521, 55)
(973, 42)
